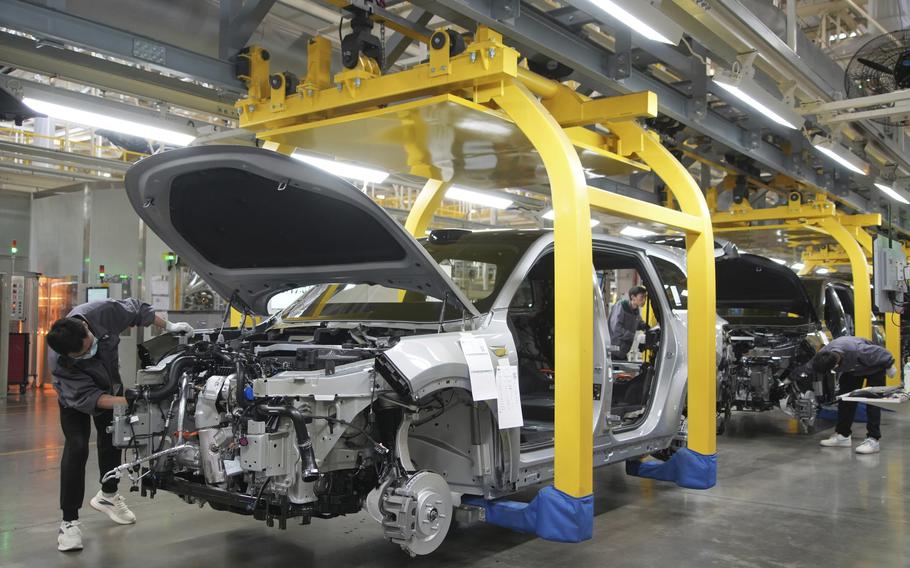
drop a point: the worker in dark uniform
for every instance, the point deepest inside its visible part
(86, 370)
(625, 320)
(854, 359)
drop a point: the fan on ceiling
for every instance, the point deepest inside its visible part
(881, 66)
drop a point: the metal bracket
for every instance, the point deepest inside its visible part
(505, 10)
(619, 63)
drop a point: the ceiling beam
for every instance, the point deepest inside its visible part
(23, 53)
(237, 23)
(32, 152)
(46, 23)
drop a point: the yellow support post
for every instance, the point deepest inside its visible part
(428, 201)
(574, 350)
(862, 296)
(702, 306)
(893, 344)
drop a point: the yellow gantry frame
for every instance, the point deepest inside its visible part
(549, 114)
(847, 230)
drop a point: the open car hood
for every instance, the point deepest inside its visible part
(755, 282)
(253, 223)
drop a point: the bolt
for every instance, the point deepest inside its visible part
(432, 514)
(357, 82)
(250, 108)
(473, 56)
(338, 86)
(432, 69)
(309, 92)
(443, 68)
(491, 52)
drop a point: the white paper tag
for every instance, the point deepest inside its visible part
(509, 396)
(232, 467)
(676, 297)
(480, 367)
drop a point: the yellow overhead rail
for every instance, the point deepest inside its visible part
(523, 131)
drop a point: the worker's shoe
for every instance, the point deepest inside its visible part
(837, 441)
(114, 507)
(69, 537)
(869, 446)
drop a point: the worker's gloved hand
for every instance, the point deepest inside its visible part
(892, 371)
(643, 327)
(179, 327)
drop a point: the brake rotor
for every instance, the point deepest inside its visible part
(418, 514)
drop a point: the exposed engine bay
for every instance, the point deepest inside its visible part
(762, 372)
(295, 424)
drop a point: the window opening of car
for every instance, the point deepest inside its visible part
(674, 283)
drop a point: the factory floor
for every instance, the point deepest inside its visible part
(780, 501)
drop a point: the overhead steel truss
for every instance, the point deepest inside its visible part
(535, 32)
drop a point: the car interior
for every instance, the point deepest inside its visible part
(531, 320)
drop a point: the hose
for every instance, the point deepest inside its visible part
(239, 386)
(159, 393)
(304, 445)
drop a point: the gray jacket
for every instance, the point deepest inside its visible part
(80, 383)
(624, 322)
(859, 356)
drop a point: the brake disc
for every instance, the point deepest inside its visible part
(418, 513)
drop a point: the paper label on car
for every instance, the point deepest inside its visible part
(508, 396)
(480, 367)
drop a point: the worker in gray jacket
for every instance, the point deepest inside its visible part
(86, 370)
(625, 320)
(854, 359)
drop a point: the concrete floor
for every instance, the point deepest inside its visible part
(780, 501)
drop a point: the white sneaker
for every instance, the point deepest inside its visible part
(837, 441)
(69, 537)
(114, 507)
(869, 446)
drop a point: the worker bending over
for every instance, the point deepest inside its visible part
(625, 320)
(86, 370)
(854, 359)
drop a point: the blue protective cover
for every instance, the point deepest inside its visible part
(686, 468)
(830, 413)
(551, 515)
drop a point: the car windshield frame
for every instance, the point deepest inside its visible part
(503, 249)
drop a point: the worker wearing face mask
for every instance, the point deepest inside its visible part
(625, 320)
(86, 373)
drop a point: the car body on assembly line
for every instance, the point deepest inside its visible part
(772, 330)
(359, 394)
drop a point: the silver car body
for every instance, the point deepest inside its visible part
(445, 444)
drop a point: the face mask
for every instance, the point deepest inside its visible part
(91, 350)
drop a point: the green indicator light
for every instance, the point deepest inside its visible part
(124, 276)
(13, 250)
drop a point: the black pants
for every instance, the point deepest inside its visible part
(77, 429)
(846, 410)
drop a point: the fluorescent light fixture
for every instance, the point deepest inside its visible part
(343, 170)
(550, 215)
(100, 121)
(636, 232)
(758, 99)
(478, 198)
(778, 261)
(822, 271)
(797, 266)
(891, 193)
(642, 18)
(840, 154)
